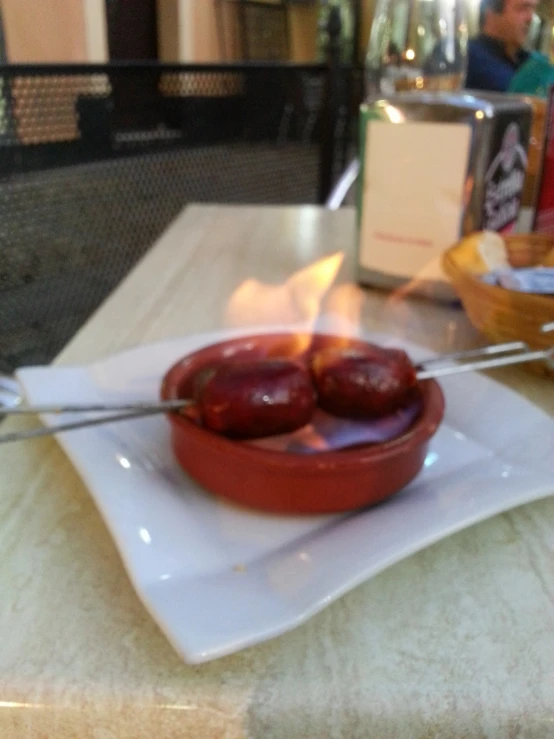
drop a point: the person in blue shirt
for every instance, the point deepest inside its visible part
(499, 51)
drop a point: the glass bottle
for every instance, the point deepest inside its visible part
(417, 45)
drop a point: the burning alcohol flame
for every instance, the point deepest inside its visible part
(313, 300)
(310, 302)
(300, 300)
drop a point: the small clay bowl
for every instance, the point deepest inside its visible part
(283, 482)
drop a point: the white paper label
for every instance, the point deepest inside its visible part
(413, 196)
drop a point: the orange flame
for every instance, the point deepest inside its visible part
(343, 308)
(297, 301)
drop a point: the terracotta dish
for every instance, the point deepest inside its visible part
(282, 482)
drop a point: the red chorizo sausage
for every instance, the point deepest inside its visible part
(252, 399)
(363, 383)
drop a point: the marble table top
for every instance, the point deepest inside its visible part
(455, 641)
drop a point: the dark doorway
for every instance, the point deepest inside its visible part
(132, 35)
(132, 29)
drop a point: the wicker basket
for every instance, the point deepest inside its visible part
(504, 315)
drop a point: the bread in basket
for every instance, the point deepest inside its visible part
(504, 315)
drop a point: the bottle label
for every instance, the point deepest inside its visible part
(505, 176)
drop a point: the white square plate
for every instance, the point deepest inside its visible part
(217, 578)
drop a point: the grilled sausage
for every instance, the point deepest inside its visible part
(252, 399)
(363, 383)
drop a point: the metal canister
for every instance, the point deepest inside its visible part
(446, 165)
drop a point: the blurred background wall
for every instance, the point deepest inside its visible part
(187, 30)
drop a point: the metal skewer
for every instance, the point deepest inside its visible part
(493, 349)
(73, 425)
(485, 364)
(511, 353)
(136, 407)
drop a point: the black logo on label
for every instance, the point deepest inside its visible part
(504, 182)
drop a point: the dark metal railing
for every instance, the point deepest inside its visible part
(97, 159)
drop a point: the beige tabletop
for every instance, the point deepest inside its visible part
(456, 641)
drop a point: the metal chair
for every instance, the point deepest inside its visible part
(97, 160)
(88, 183)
